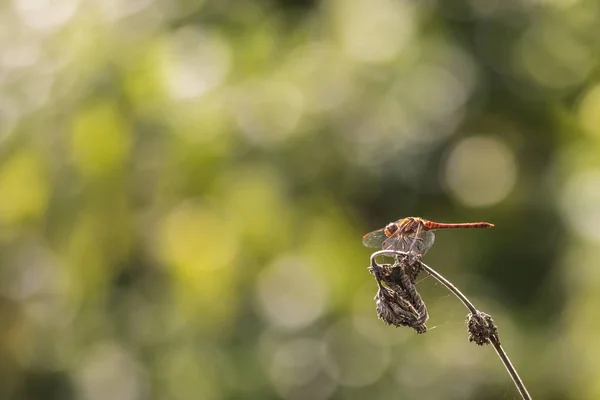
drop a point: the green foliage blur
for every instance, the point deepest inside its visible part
(184, 186)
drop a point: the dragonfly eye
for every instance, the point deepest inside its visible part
(390, 229)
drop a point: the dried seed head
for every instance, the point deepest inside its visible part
(394, 310)
(481, 328)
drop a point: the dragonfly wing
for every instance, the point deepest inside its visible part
(395, 243)
(417, 244)
(379, 240)
(375, 239)
(426, 241)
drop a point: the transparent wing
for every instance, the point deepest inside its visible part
(375, 239)
(427, 240)
(422, 243)
(398, 242)
(378, 240)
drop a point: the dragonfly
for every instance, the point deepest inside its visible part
(412, 235)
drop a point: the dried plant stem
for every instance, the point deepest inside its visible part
(492, 339)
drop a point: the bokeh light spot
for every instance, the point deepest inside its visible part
(352, 359)
(295, 366)
(374, 30)
(186, 375)
(290, 294)
(257, 206)
(480, 171)
(198, 249)
(268, 111)
(589, 111)
(46, 14)
(323, 76)
(553, 56)
(295, 363)
(195, 63)
(110, 372)
(100, 139)
(24, 188)
(437, 92)
(581, 204)
(194, 239)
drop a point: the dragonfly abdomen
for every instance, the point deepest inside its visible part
(438, 225)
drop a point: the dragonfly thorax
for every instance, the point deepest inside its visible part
(391, 229)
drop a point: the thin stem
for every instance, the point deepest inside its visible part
(511, 369)
(493, 341)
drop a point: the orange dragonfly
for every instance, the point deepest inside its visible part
(413, 235)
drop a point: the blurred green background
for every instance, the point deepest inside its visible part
(184, 186)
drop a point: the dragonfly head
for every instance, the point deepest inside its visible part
(390, 229)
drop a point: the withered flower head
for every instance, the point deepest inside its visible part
(394, 310)
(482, 328)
